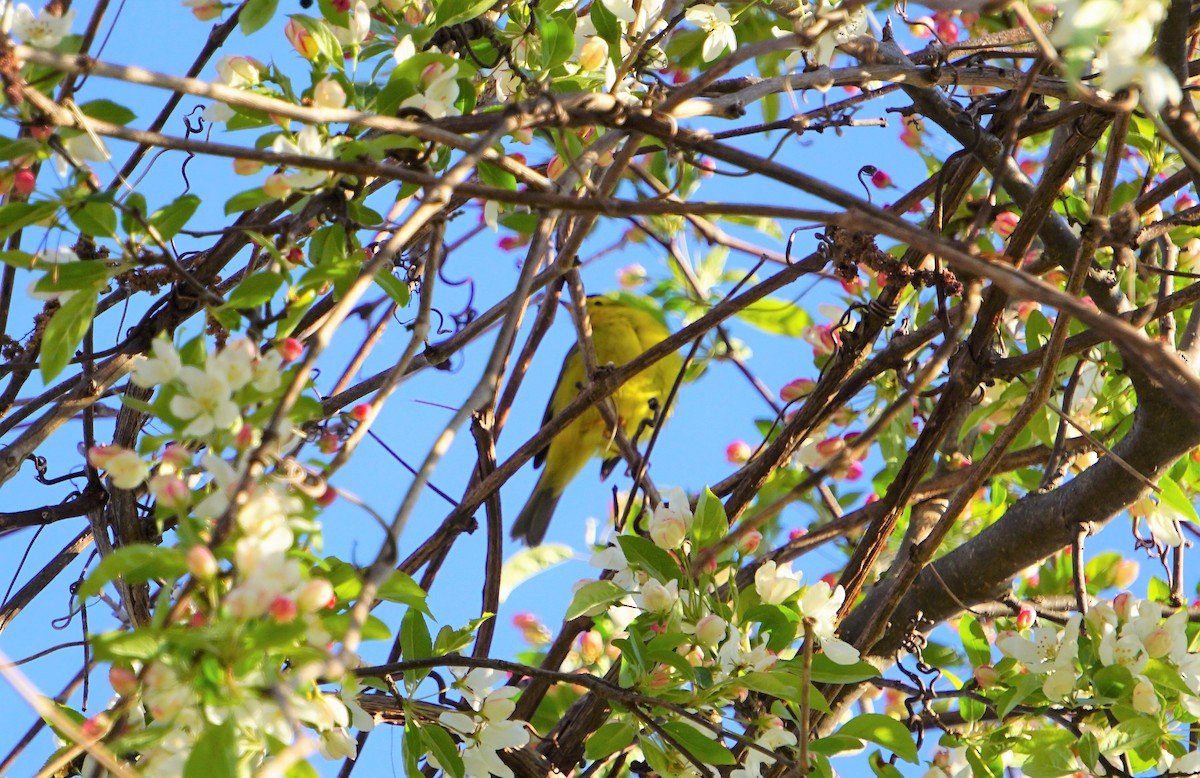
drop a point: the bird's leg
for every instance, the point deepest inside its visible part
(650, 422)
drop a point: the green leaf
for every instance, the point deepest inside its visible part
(978, 649)
(255, 14)
(108, 111)
(254, 290)
(395, 288)
(87, 275)
(1037, 330)
(215, 753)
(441, 745)
(609, 739)
(606, 25)
(1173, 496)
(825, 670)
(710, 523)
(142, 643)
(170, 219)
(778, 317)
(836, 744)
(400, 587)
(884, 731)
(703, 745)
(779, 622)
(415, 642)
(18, 216)
(136, 564)
(245, 201)
(95, 217)
(597, 594)
(493, 175)
(453, 12)
(413, 749)
(558, 39)
(529, 562)
(64, 333)
(654, 560)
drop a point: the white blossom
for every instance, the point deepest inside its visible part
(308, 143)
(205, 403)
(775, 583)
(45, 30)
(716, 21)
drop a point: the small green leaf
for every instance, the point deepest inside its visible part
(108, 111)
(558, 39)
(245, 201)
(255, 290)
(215, 753)
(710, 523)
(170, 219)
(136, 564)
(979, 650)
(705, 746)
(825, 670)
(778, 317)
(64, 333)
(142, 643)
(255, 14)
(95, 217)
(441, 745)
(609, 739)
(395, 288)
(595, 595)
(654, 560)
(17, 216)
(415, 643)
(1173, 496)
(400, 587)
(884, 731)
(836, 744)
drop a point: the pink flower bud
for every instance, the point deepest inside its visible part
(710, 630)
(329, 443)
(986, 675)
(328, 93)
(1145, 699)
(797, 388)
(1026, 617)
(201, 563)
(830, 579)
(668, 529)
(881, 180)
(1158, 643)
(1123, 604)
(593, 54)
(282, 609)
(23, 182)
(1125, 573)
(326, 498)
(830, 447)
(176, 456)
(247, 167)
(361, 412)
(1005, 223)
(631, 276)
(205, 10)
(738, 452)
(555, 167)
(123, 680)
(316, 595)
(290, 349)
(276, 187)
(246, 437)
(524, 620)
(591, 646)
(750, 542)
(301, 39)
(796, 534)
(171, 492)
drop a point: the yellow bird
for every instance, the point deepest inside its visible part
(620, 332)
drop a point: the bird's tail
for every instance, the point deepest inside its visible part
(532, 523)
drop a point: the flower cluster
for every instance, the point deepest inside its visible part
(713, 637)
(1115, 38)
(487, 729)
(1126, 664)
